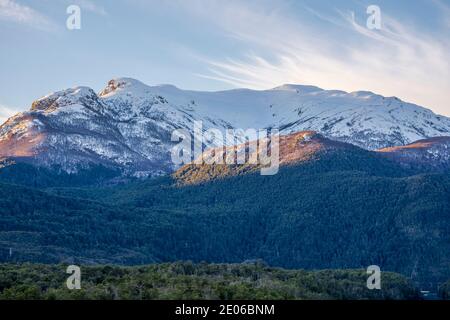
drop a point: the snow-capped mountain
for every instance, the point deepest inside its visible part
(129, 124)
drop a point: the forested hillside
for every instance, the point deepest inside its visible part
(337, 212)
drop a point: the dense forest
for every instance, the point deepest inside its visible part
(339, 212)
(185, 280)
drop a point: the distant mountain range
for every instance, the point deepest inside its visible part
(128, 125)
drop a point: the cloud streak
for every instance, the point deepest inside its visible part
(12, 11)
(5, 113)
(445, 9)
(91, 6)
(336, 52)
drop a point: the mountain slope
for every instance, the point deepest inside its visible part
(433, 153)
(294, 149)
(343, 210)
(75, 128)
(128, 125)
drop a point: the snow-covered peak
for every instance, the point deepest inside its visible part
(302, 89)
(363, 118)
(63, 98)
(166, 86)
(119, 85)
(363, 94)
(127, 98)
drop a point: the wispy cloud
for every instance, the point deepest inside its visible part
(11, 10)
(445, 9)
(91, 6)
(5, 113)
(396, 60)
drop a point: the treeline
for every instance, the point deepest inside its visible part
(186, 280)
(41, 177)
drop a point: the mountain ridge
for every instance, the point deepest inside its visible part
(429, 155)
(128, 124)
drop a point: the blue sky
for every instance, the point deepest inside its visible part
(218, 44)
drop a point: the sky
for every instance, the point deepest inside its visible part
(217, 45)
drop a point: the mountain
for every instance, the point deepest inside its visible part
(296, 148)
(123, 127)
(128, 125)
(433, 153)
(429, 155)
(343, 208)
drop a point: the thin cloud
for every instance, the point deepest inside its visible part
(445, 9)
(5, 113)
(12, 11)
(92, 7)
(396, 60)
